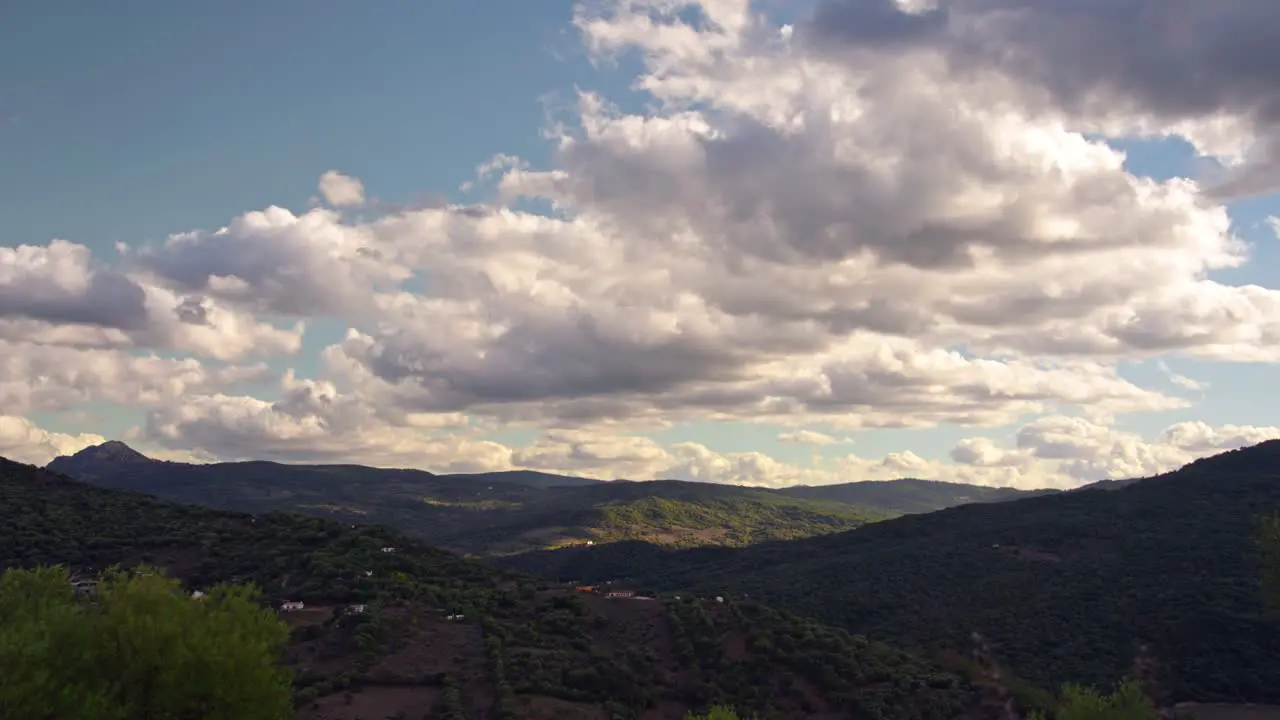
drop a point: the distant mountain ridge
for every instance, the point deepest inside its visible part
(101, 458)
(519, 510)
(908, 495)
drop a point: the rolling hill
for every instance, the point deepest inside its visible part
(520, 650)
(517, 511)
(907, 496)
(1064, 585)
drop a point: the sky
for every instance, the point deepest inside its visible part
(1026, 243)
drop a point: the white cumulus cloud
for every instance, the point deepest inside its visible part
(341, 190)
(887, 215)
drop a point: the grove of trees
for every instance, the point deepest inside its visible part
(137, 648)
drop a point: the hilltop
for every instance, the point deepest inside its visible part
(1064, 585)
(521, 648)
(516, 511)
(908, 495)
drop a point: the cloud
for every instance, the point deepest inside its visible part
(811, 437)
(1181, 381)
(341, 190)
(273, 261)
(862, 240)
(891, 215)
(35, 377)
(314, 422)
(23, 441)
(1153, 67)
(55, 294)
(1201, 438)
(1069, 451)
(985, 453)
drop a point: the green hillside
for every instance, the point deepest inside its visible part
(1065, 586)
(522, 649)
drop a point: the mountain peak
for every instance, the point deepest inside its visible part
(112, 451)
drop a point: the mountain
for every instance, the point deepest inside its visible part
(902, 497)
(522, 648)
(527, 478)
(112, 452)
(1064, 585)
(521, 510)
(114, 457)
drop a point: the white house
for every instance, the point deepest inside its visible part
(455, 617)
(356, 609)
(292, 605)
(197, 595)
(388, 549)
(719, 599)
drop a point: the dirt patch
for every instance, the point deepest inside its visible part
(325, 656)
(433, 648)
(665, 710)
(306, 617)
(541, 596)
(662, 538)
(373, 701)
(815, 705)
(538, 707)
(735, 646)
(1223, 711)
(684, 536)
(710, 535)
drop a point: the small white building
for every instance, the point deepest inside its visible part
(455, 617)
(356, 609)
(719, 599)
(197, 595)
(388, 549)
(292, 605)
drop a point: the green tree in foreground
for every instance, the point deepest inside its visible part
(141, 650)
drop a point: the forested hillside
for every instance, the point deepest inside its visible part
(1065, 586)
(443, 637)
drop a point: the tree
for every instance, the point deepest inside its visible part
(140, 649)
(1126, 702)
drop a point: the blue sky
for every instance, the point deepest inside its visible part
(156, 117)
(143, 119)
(129, 121)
